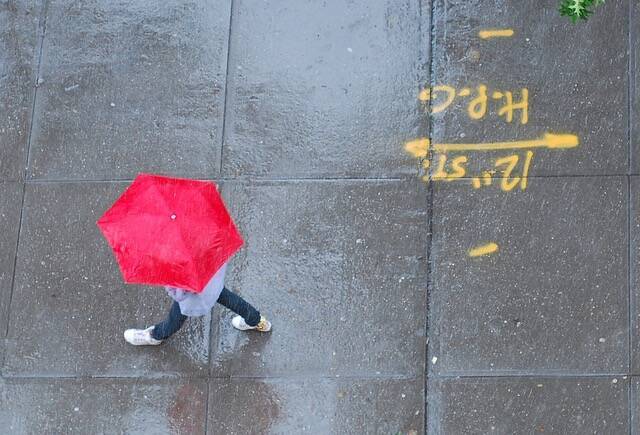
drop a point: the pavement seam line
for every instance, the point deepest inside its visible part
(172, 377)
(226, 92)
(632, 400)
(43, 26)
(213, 323)
(630, 93)
(310, 179)
(42, 29)
(239, 180)
(430, 202)
(206, 404)
(630, 272)
(530, 375)
(630, 299)
(630, 59)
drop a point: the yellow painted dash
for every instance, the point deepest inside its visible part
(487, 249)
(495, 33)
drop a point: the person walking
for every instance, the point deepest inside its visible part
(188, 304)
(177, 233)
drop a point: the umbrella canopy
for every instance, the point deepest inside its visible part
(170, 232)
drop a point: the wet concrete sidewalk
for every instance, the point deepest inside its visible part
(441, 223)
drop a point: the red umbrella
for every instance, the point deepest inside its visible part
(170, 231)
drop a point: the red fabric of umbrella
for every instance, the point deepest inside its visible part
(170, 231)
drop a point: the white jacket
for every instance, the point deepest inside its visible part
(199, 304)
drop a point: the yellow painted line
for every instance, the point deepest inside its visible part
(495, 33)
(418, 148)
(487, 249)
(549, 140)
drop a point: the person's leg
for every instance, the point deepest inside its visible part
(154, 335)
(170, 325)
(239, 306)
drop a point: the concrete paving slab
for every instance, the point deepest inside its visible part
(18, 68)
(552, 298)
(131, 88)
(318, 406)
(528, 405)
(324, 89)
(70, 306)
(340, 268)
(103, 406)
(573, 88)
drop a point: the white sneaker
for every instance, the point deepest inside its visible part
(239, 323)
(141, 337)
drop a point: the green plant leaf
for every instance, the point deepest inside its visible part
(578, 9)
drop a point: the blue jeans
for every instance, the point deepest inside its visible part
(228, 299)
